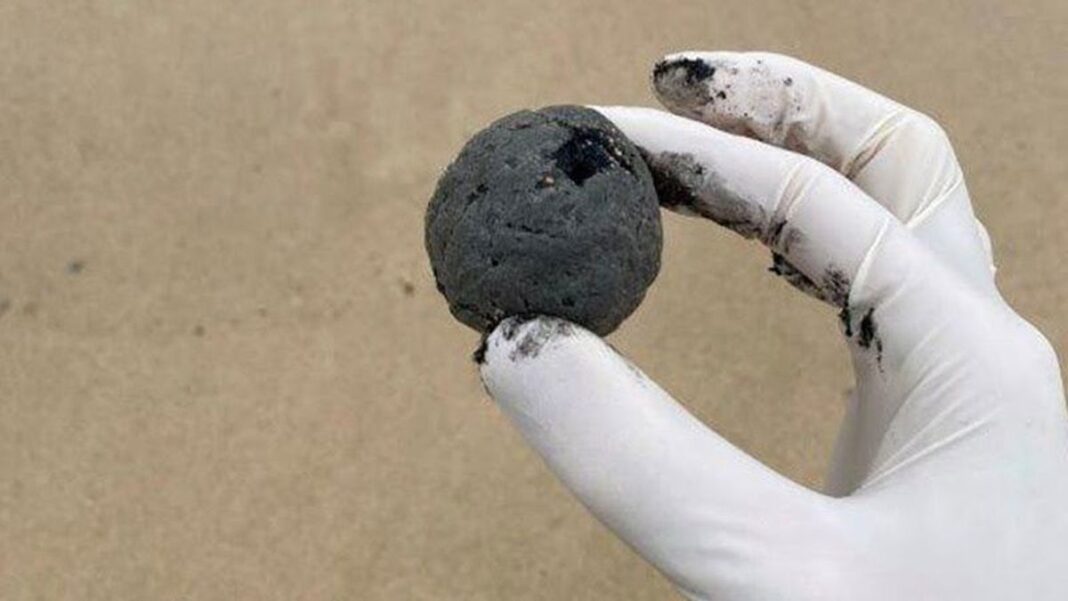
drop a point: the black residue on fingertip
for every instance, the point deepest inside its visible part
(541, 331)
(508, 328)
(696, 70)
(685, 83)
(660, 68)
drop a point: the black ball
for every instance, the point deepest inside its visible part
(548, 212)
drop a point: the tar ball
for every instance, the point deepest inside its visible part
(547, 212)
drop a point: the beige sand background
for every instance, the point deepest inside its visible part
(224, 370)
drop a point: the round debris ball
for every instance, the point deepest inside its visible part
(547, 212)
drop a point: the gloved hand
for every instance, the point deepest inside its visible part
(950, 476)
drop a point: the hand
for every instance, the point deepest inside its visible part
(950, 476)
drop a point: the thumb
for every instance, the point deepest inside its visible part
(712, 518)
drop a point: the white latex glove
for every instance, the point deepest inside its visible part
(950, 477)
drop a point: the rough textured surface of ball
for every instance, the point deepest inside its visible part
(549, 212)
